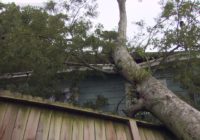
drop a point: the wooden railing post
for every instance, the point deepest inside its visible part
(134, 130)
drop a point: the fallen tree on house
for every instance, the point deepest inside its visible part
(46, 49)
(181, 118)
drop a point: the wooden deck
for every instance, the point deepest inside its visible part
(28, 118)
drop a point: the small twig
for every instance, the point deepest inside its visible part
(93, 67)
(117, 108)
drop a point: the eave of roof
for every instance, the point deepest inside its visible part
(110, 68)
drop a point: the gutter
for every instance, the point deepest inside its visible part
(104, 67)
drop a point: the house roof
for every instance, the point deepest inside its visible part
(26, 117)
(154, 60)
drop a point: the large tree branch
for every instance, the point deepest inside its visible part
(93, 67)
(96, 68)
(125, 63)
(158, 99)
(123, 21)
(135, 108)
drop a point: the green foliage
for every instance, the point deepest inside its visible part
(42, 40)
(50, 6)
(177, 28)
(168, 9)
(28, 41)
(31, 41)
(140, 52)
(100, 102)
(186, 73)
(183, 25)
(176, 34)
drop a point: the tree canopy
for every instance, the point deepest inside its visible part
(45, 40)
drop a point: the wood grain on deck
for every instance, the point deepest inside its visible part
(27, 118)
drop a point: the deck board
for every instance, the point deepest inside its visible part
(128, 132)
(77, 133)
(120, 132)
(66, 128)
(32, 124)
(27, 118)
(8, 122)
(3, 108)
(134, 130)
(20, 124)
(149, 134)
(142, 133)
(55, 126)
(110, 131)
(89, 131)
(44, 125)
(100, 130)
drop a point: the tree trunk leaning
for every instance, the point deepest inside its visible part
(182, 119)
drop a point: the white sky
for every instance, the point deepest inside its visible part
(108, 12)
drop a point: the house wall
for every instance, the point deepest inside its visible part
(112, 87)
(174, 86)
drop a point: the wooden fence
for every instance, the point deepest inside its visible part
(28, 118)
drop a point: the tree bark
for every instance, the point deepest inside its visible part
(182, 119)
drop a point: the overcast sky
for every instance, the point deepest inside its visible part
(108, 11)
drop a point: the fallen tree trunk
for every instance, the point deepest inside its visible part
(182, 119)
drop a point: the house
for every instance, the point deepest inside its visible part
(115, 89)
(35, 118)
(111, 86)
(26, 118)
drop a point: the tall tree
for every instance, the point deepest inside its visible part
(47, 38)
(176, 36)
(32, 37)
(178, 116)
